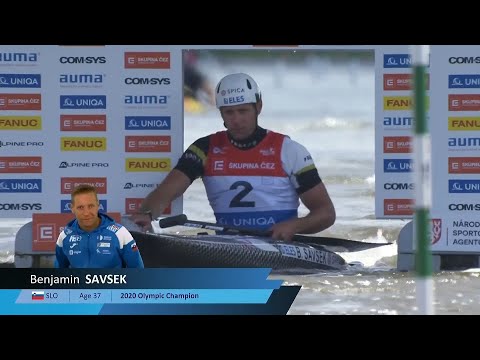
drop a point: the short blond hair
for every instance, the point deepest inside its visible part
(84, 189)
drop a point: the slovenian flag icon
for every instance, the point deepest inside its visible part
(38, 295)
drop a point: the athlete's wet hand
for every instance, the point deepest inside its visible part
(143, 220)
(283, 231)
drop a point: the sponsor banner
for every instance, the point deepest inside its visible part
(463, 186)
(147, 81)
(147, 144)
(464, 165)
(20, 102)
(465, 123)
(397, 165)
(20, 164)
(463, 102)
(4, 144)
(464, 81)
(83, 143)
(81, 80)
(83, 101)
(398, 207)
(20, 123)
(401, 103)
(7, 207)
(401, 82)
(20, 81)
(396, 61)
(18, 58)
(67, 184)
(83, 122)
(134, 185)
(20, 185)
(397, 122)
(147, 164)
(83, 60)
(47, 227)
(463, 207)
(147, 123)
(398, 186)
(66, 206)
(82, 165)
(146, 101)
(397, 144)
(463, 143)
(132, 206)
(147, 60)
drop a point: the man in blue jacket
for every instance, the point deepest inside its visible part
(93, 239)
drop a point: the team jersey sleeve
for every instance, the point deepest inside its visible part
(192, 161)
(299, 165)
(61, 260)
(128, 249)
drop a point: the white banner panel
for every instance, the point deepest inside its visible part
(111, 116)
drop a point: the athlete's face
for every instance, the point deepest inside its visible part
(85, 207)
(241, 120)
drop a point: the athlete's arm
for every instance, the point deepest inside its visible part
(299, 165)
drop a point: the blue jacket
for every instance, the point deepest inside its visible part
(109, 246)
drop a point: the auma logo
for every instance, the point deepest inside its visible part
(79, 79)
(13, 57)
(20, 81)
(83, 102)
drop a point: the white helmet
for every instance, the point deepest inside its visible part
(237, 89)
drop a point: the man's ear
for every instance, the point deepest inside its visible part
(259, 106)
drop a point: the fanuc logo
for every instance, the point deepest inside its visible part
(83, 144)
(147, 164)
(20, 122)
